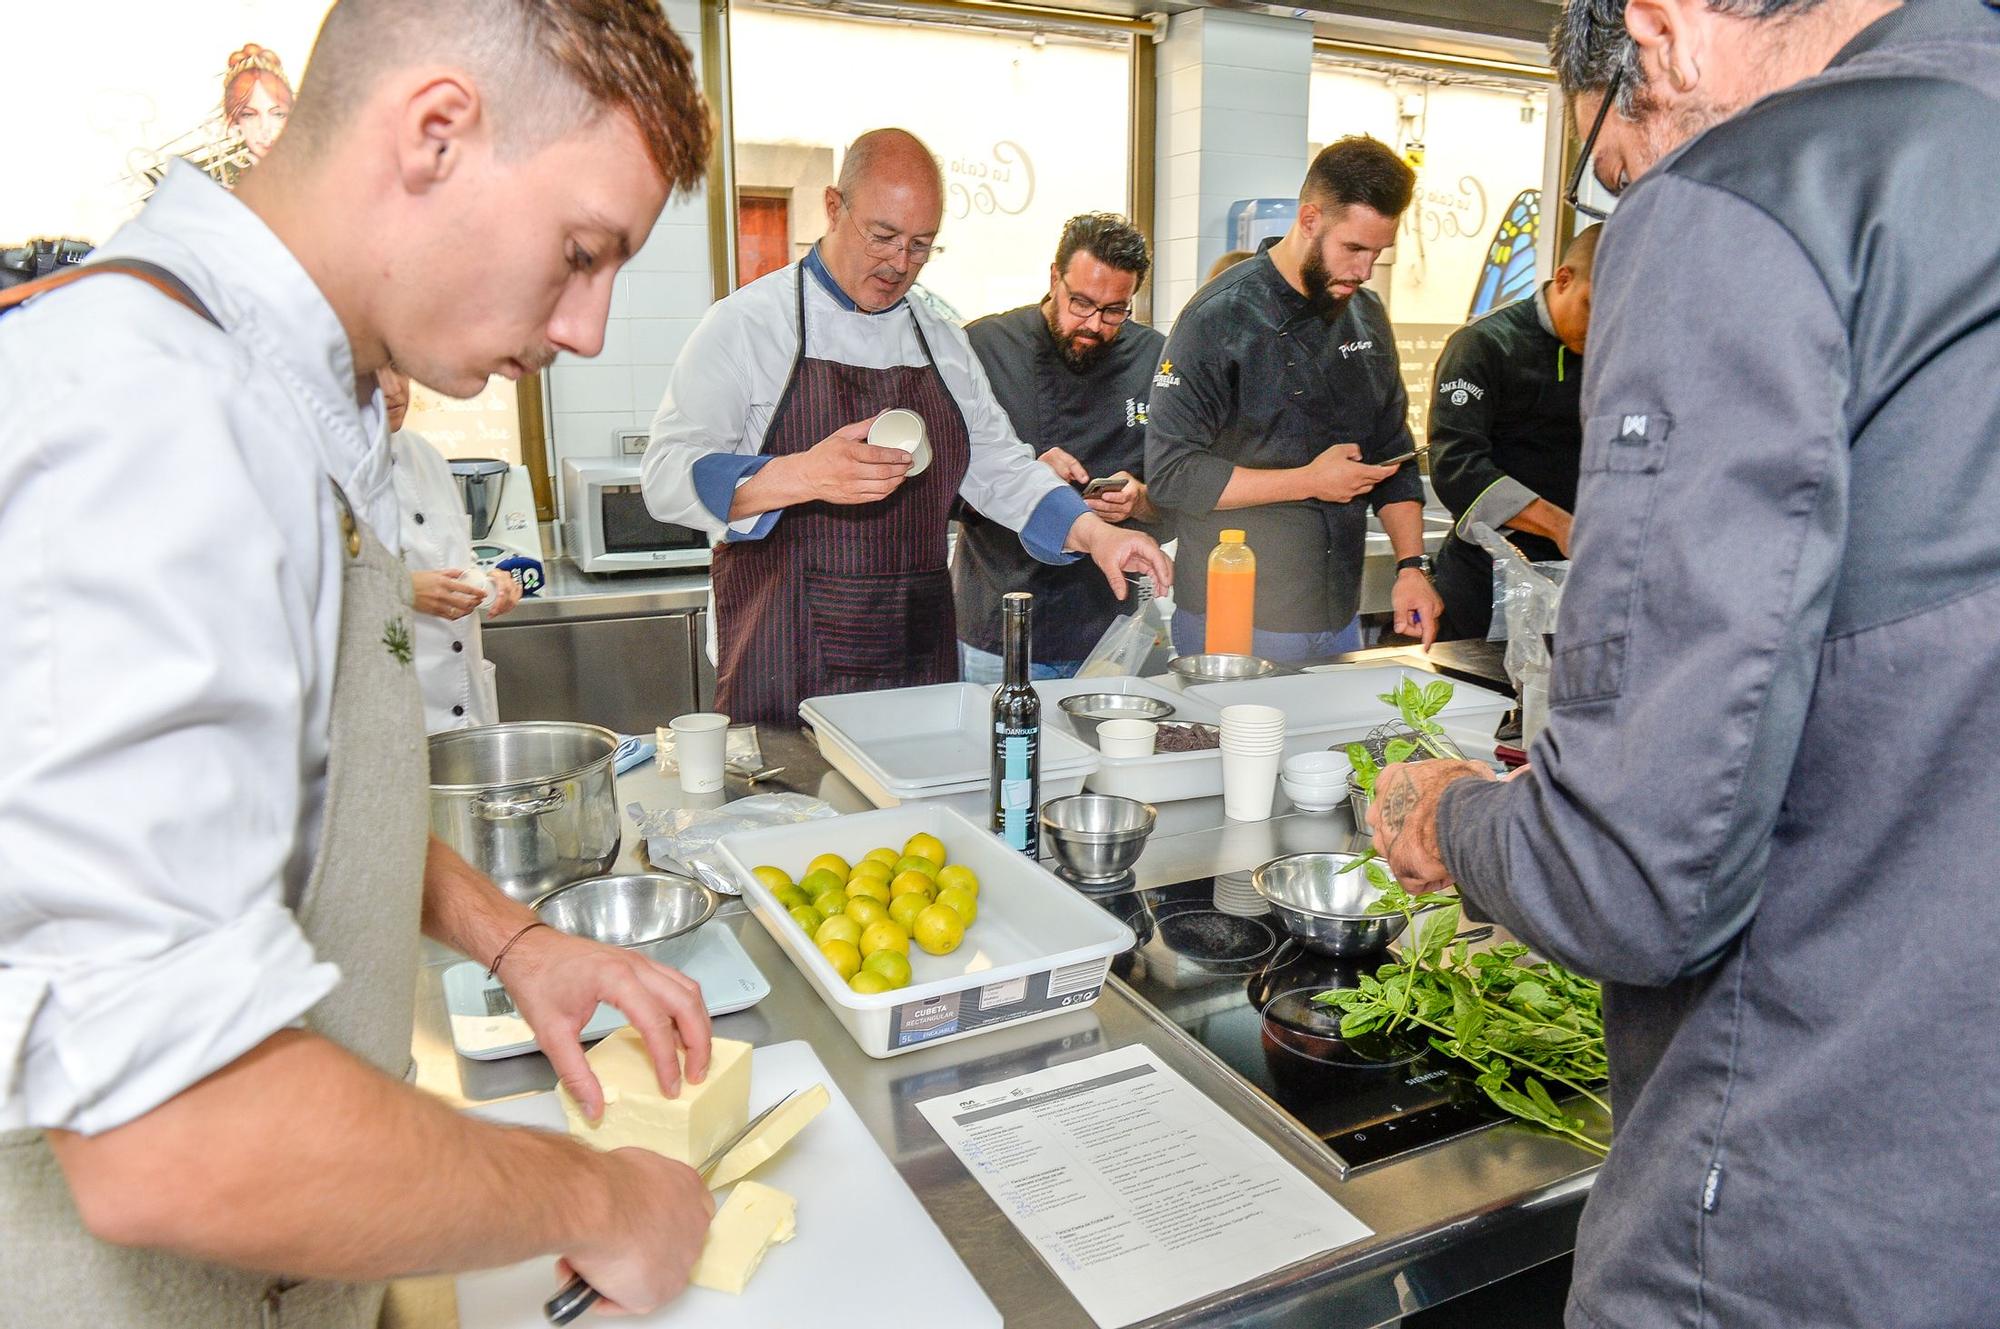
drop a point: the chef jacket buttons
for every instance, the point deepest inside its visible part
(458, 710)
(351, 532)
(419, 516)
(457, 646)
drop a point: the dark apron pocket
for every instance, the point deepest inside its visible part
(880, 630)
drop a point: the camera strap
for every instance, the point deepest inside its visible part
(166, 283)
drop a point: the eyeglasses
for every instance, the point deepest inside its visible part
(1084, 308)
(1590, 146)
(888, 246)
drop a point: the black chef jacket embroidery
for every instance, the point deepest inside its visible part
(1097, 416)
(1254, 375)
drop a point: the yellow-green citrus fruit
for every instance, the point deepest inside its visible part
(960, 902)
(868, 886)
(833, 863)
(774, 879)
(808, 918)
(959, 875)
(819, 881)
(908, 883)
(868, 982)
(892, 965)
(791, 897)
(939, 929)
(905, 908)
(831, 903)
(885, 856)
(871, 867)
(924, 846)
(866, 912)
(840, 927)
(912, 863)
(844, 956)
(884, 934)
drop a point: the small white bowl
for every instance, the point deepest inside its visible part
(1127, 738)
(903, 430)
(1308, 799)
(1318, 766)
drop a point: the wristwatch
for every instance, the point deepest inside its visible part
(1421, 562)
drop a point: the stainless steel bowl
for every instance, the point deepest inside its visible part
(1116, 706)
(1324, 907)
(1220, 668)
(1097, 837)
(634, 909)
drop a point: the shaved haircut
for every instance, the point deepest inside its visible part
(1581, 255)
(543, 68)
(874, 150)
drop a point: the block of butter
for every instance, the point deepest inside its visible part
(688, 1128)
(753, 1219)
(771, 1135)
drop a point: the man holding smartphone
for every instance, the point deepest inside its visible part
(1073, 372)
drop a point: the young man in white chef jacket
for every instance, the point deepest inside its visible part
(213, 858)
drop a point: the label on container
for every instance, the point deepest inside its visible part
(968, 1009)
(1017, 791)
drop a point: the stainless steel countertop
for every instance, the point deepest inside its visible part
(1447, 1220)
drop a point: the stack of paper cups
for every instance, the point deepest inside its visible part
(1253, 745)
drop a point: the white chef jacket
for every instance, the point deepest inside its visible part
(708, 435)
(166, 658)
(452, 669)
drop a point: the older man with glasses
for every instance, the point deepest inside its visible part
(830, 571)
(1074, 371)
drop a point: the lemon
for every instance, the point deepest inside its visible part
(892, 965)
(869, 887)
(939, 929)
(907, 883)
(844, 956)
(774, 879)
(885, 856)
(833, 863)
(840, 927)
(865, 911)
(884, 934)
(791, 897)
(819, 881)
(908, 863)
(831, 903)
(960, 902)
(959, 875)
(905, 908)
(870, 867)
(924, 846)
(808, 918)
(868, 982)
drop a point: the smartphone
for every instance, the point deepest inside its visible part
(1110, 484)
(1411, 455)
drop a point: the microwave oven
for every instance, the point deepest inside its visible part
(606, 527)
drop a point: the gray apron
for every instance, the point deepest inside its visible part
(361, 910)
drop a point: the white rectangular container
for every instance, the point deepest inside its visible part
(905, 745)
(1037, 948)
(1342, 703)
(1163, 777)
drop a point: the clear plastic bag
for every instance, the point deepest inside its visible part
(1126, 644)
(684, 838)
(1526, 601)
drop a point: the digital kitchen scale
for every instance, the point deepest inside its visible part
(486, 1027)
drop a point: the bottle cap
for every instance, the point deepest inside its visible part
(1232, 537)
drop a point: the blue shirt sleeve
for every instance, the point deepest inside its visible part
(715, 479)
(1048, 525)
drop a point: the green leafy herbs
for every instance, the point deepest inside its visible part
(1516, 1022)
(1417, 704)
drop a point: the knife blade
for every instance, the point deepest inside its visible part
(577, 1296)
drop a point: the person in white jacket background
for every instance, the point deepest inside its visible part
(452, 670)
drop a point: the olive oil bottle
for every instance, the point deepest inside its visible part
(1017, 734)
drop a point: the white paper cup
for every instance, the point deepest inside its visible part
(1127, 738)
(903, 430)
(1248, 784)
(700, 739)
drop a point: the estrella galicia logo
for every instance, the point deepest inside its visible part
(1135, 412)
(1461, 391)
(1166, 377)
(1353, 347)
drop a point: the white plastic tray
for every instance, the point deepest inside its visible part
(927, 742)
(1037, 948)
(1163, 777)
(973, 798)
(1341, 703)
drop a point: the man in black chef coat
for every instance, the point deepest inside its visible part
(1276, 403)
(1506, 434)
(1073, 372)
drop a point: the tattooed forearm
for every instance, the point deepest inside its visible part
(1398, 802)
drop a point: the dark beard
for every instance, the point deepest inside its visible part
(1319, 285)
(1079, 356)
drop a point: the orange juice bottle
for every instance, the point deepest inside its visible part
(1232, 596)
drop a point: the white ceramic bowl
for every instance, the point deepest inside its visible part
(1308, 799)
(1317, 766)
(903, 430)
(1126, 738)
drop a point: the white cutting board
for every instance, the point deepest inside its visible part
(852, 1203)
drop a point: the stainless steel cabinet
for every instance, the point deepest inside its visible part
(628, 674)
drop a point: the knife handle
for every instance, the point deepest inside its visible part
(574, 1299)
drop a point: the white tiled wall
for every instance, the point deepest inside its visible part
(1233, 90)
(659, 296)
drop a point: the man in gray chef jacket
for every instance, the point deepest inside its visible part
(1760, 811)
